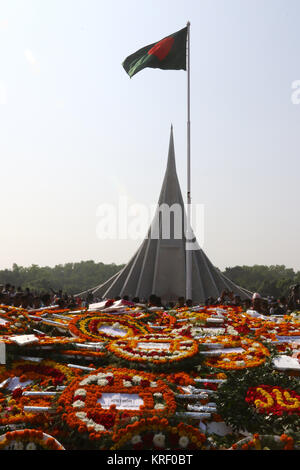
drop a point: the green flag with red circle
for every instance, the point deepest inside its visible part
(168, 54)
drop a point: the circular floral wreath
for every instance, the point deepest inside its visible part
(248, 401)
(28, 439)
(42, 373)
(158, 434)
(89, 327)
(32, 377)
(254, 353)
(155, 350)
(89, 406)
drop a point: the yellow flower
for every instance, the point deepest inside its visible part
(257, 444)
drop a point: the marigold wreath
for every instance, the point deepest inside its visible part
(104, 327)
(273, 399)
(254, 353)
(96, 403)
(265, 442)
(28, 439)
(32, 377)
(158, 434)
(274, 330)
(43, 373)
(157, 352)
(260, 400)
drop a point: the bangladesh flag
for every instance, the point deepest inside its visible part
(167, 54)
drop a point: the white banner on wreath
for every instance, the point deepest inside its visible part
(155, 346)
(14, 382)
(2, 353)
(217, 352)
(123, 401)
(112, 331)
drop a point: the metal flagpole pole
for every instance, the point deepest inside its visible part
(188, 227)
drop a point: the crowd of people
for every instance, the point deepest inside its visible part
(264, 305)
(25, 298)
(28, 299)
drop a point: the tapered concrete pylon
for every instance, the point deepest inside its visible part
(159, 265)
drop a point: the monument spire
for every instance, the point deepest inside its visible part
(159, 265)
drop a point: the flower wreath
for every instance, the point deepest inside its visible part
(195, 317)
(265, 442)
(12, 410)
(8, 311)
(254, 353)
(158, 434)
(28, 439)
(187, 383)
(62, 311)
(17, 321)
(199, 324)
(46, 372)
(38, 376)
(83, 354)
(43, 340)
(225, 308)
(88, 327)
(57, 340)
(156, 350)
(273, 399)
(138, 314)
(248, 400)
(15, 326)
(272, 330)
(179, 378)
(237, 324)
(32, 377)
(196, 331)
(164, 319)
(84, 407)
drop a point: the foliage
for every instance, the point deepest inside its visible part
(239, 415)
(267, 280)
(71, 277)
(77, 277)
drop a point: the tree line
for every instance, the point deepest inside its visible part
(72, 278)
(77, 277)
(266, 280)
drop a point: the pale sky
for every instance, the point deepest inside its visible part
(77, 132)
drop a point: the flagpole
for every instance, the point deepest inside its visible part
(188, 227)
